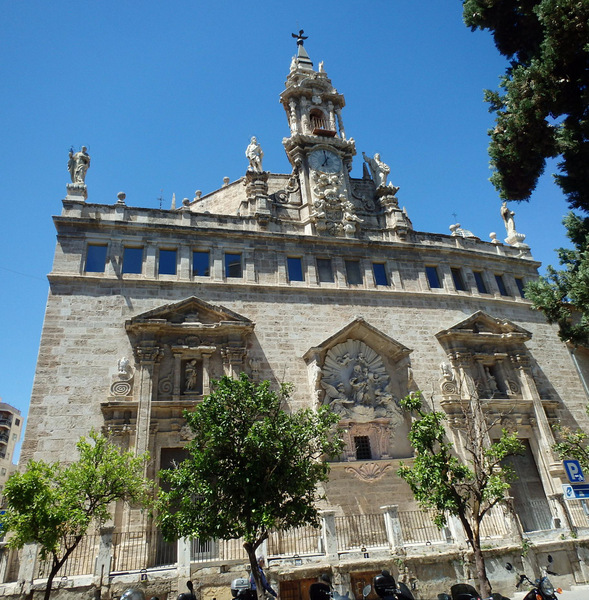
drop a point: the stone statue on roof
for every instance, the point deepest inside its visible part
(378, 169)
(254, 154)
(78, 164)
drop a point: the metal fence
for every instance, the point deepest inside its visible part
(361, 531)
(579, 512)
(535, 515)
(418, 527)
(225, 550)
(302, 541)
(493, 524)
(80, 562)
(134, 551)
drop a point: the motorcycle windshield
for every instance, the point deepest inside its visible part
(405, 592)
(464, 591)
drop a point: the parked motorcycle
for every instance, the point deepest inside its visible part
(190, 595)
(323, 590)
(242, 589)
(465, 591)
(387, 588)
(542, 588)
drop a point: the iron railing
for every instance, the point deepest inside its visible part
(80, 562)
(418, 527)
(361, 531)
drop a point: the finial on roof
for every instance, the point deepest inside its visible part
(302, 60)
(300, 37)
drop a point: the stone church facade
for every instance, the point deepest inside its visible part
(319, 279)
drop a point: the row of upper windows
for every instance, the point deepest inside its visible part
(233, 265)
(133, 259)
(434, 281)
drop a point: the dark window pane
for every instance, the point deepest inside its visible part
(481, 287)
(233, 265)
(362, 443)
(501, 285)
(432, 277)
(380, 274)
(520, 286)
(458, 279)
(353, 273)
(295, 269)
(167, 264)
(200, 264)
(132, 260)
(95, 258)
(324, 270)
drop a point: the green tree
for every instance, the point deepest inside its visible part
(54, 505)
(563, 296)
(466, 488)
(252, 467)
(542, 109)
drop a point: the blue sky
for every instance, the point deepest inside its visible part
(166, 96)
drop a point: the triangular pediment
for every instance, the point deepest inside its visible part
(480, 326)
(360, 330)
(191, 313)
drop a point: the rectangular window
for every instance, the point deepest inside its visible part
(478, 277)
(17, 422)
(501, 285)
(520, 286)
(233, 265)
(362, 443)
(433, 277)
(380, 274)
(324, 270)
(458, 279)
(295, 269)
(132, 260)
(201, 264)
(167, 264)
(95, 258)
(353, 272)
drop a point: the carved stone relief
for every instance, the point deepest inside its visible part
(122, 385)
(357, 385)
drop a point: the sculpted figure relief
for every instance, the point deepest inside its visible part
(78, 164)
(254, 155)
(357, 385)
(191, 376)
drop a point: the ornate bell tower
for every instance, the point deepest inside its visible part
(317, 148)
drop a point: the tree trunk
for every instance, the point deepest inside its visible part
(255, 571)
(479, 560)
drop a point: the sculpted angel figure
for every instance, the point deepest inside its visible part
(508, 218)
(337, 398)
(254, 154)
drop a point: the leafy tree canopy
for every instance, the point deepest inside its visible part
(445, 482)
(563, 295)
(54, 505)
(542, 108)
(253, 467)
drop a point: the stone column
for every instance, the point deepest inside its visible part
(392, 525)
(329, 535)
(338, 114)
(233, 361)
(4, 555)
(206, 371)
(27, 568)
(183, 566)
(104, 558)
(148, 356)
(456, 530)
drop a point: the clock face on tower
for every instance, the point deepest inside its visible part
(325, 161)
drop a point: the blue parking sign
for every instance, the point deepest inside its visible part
(574, 471)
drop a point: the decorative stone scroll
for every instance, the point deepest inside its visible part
(122, 385)
(356, 383)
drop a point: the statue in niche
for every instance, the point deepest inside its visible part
(492, 386)
(379, 170)
(357, 385)
(191, 376)
(254, 155)
(78, 164)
